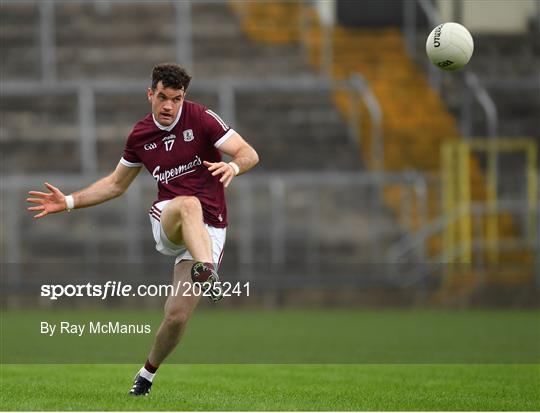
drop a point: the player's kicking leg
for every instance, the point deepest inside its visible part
(178, 309)
(183, 224)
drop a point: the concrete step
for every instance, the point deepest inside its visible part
(22, 14)
(14, 35)
(20, 62)
(91, 39)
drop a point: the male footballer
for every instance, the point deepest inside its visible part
(180, 143)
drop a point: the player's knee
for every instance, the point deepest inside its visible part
(176, 320)
(188, 206)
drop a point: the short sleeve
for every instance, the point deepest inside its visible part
(217, 130)
(130, 157)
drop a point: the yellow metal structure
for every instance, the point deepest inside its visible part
(456, 159)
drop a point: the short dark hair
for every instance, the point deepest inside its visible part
(171, 75)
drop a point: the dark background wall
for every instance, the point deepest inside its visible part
(373, 13)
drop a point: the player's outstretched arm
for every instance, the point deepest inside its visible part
(244, 157)
(101, 191)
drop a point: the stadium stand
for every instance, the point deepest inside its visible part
(292, 131)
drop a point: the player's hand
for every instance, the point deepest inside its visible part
(221, 168)
(54, 201)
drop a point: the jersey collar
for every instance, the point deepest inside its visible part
(172, 125)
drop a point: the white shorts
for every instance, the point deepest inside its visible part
(166, 247)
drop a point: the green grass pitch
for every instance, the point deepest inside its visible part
(313, 360)
(274, 387)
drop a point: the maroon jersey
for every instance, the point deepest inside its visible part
(174, 156)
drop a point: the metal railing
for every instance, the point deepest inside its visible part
(247, 228)
(412, 242)
(183, 34)
(276, 224)
(486, 102)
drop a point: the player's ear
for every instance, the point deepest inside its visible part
(150, 93)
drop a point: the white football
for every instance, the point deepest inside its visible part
(449, 46)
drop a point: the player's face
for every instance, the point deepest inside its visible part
(165, 103)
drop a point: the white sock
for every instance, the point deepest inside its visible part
(146, 374)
